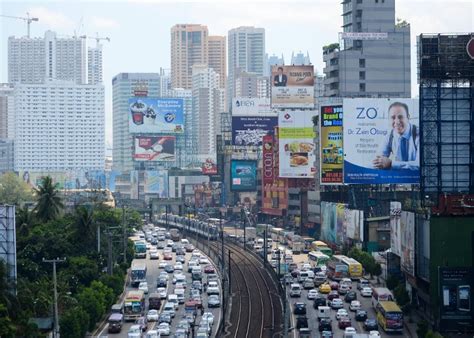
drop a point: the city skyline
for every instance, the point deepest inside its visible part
(320, 20)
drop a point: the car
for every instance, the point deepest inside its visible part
(299, 308)
(209, 269)
(197, 285)
(134, 331)
(178, 266)
(202, 332)
(184, 325)
(366, 292)
(355, 305)
(320, 300)
(350, 296)
(326, 334)
(143, 286)
(344, 322)
(164, 329)
(212, 277)
(341, 313)
(343, 289)
(301, 322)
(204, 260)
(169, 268)
(349, 332)
(181, 259)
(325, 324)
(180, 252)
(160, 245)
(213, 288)
(363, 283)
(209, 317)
(332, 295)
(142, 322)
(325, 288)
(162, 282)
(162, 264)
(154, 254)
(334, 285)
(205, 324)
(312, 294)
(152, 334)
(361, 315)
(337, 303)
(167, 256)
(370, 324)
(189, 248)
(195, 293)
(169, 243)
(180, 333)
(152, 316)
(181, 285)
(162, 292)
(213, 301)
(308, 283)
(374, 334)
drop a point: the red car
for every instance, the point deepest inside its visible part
(332, 295)
(344, 322)
(334, 285)
(167, 257)
(209, 269)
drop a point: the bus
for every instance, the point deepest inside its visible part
(337, 270)
(354, 267)
(295, 243)
(321, 246)
(318, 258)
(140, 249)
(214, 221)
(134, 305)
(260, 228)
(389, 316)
(138, 273)
(277, 234)
(381, 295)
(307, 244)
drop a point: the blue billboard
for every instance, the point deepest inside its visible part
(249, 130)
(243, 175)
(153, 115)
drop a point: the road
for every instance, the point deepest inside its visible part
(152, 276)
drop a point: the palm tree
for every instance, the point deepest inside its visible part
(24, 220)
(49, 204)
(84, 222)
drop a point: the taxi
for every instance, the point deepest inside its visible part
(324, 288)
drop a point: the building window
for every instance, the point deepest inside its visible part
(362, 87)
(361, 75)
(362, 63)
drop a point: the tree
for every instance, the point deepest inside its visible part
(85, 227)
(74, 323)
(401, 295)
(24, 221)
(49, 204)
(13, 190)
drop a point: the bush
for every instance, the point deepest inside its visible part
(74, 323)
(401, 295)
(422, 328)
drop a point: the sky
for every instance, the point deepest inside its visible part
(140, 29)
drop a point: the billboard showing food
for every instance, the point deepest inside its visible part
(332, 153)
(249, 130)
(248, 106)
(243, 175)
(381, 141)
(268, 160)
(154, 148)
(296, 144)
(209, 167)
(292, 86)
(156, 182)
(153, 115)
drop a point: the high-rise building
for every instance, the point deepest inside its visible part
(217, 57)
(34, 60)
(94, 64)
(7, 116)
(300, 59)
(208, 103)
(6, 155)
(273, 60)
(374, 58)
(59, 126)
(251, 85)
(246, 53)
(189, 46)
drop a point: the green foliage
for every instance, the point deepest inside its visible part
(401, 295)
(49, 204)
(7, 329)
(431, 334)
(82, 270)
(114, 282)
(422, 328)
(95, 300)
(367, 261)
(331, 47)
(13, 190)
(392, 282)
(74, 323)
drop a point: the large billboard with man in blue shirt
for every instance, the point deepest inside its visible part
(381, 141)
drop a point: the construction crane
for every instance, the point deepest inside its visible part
(27, 19)
(97, 38)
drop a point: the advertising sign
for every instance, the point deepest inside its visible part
(296, 144)
(332, 153)
(243, 175)
(407, 240)
(381, 141)
(339, 223)
(152, 116)
(156, 182)
(209, 167)
(364, 36)
(249, 130)
(292, 87)
(455, 285)
(395, 214)
(154, 148)
(251, 106)
(267, 171)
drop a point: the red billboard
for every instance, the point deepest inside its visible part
(209, 167)
(268, 160)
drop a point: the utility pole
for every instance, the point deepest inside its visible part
(124, 234)
(230, 280)
(55, 285)
(245, 237)
(110, 264)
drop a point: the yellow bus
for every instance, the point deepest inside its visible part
(389, 316)
(354, 267)
(321, 246)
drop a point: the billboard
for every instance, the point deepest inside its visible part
(407, 240)
(249, 130)
(339, 223)
(154, 148)
(381, 141)
(152, 115)
(292, 86)
(364, 36)
(156, 182)
(250, 106)
(75, 179)
(395, 214)
(209, 167)
(296, 144)
(268, 160)
(331, 152)
(243, 175)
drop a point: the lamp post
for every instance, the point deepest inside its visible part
(55, 286)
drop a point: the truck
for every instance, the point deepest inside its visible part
(140, 249)
(250, 235)
(138, 273)
(134, 305)
(174, 235)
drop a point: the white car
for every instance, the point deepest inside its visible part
(366, 292)
(154, 254)
(162, 264)
(164, 329)
(163, 274)
(134, 331)
(152, 334)
(305, 266)
(162, 292)
(355, 305)
(346, 281)
(152, 316)
(178, 266)
(337, 303)
(374, 334)
(209, 317)
(143, 286)
(204, 260)
(312, 294)
(349, 332)
(341, 313)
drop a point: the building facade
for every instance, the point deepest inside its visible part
(94, 65)
(300, 59)
(369, 65)
(7, 121)
(273, 60)
(6, 156)
(252, 85)
(217, 57)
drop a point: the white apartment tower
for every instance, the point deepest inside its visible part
(246, 50)
(94, 64)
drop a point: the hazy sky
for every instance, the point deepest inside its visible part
(140, 29)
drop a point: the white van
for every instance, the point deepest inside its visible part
(324, 312)
(192, 265)
(173, 298)
(305, 275)
(180, 294)
(295, 290)
(170, 308)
